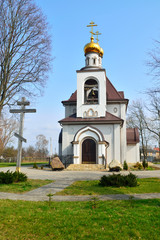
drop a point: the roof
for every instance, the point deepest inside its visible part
(156, 149)
(132, 135)
(111, 93)
(109, 118)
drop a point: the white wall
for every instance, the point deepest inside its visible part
(114, 109)
(111, 133)
(133, 153)
(69, 110)
(100, 77)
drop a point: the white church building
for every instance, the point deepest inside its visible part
(94, 128)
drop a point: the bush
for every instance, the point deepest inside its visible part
(35, 165)
(6, 178)
(125, 165)
(118, 180)
(131, 180)
(145, 164)
(10, 177)
(19, 177)
(138, 165)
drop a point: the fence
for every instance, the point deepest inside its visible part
(66, 160)
(24, 159)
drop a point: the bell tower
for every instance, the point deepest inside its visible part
(91, 81)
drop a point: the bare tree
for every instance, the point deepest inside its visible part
(7, 128)
(24, 50)
(136, 118)
(41, 145)
(153, 121)
(154, 65)
(10, 152)
(30, 151)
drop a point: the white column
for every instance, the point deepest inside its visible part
(116, 142)
(76, 157)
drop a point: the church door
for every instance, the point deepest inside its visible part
(89, 151)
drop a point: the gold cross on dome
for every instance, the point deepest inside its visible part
(97, 33)
(92, 25)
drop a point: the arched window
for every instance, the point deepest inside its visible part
(91, 92)
(87, 61)
(94, 61)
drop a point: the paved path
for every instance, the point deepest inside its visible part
(66, 178)
(42, 197)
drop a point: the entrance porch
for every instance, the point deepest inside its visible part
(89, 147)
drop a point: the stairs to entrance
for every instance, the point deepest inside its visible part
(85, 167)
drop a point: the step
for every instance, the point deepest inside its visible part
(85, 167)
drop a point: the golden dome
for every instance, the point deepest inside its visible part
(101, 52)
(92, 47)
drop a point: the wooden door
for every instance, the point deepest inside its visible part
(89, 151)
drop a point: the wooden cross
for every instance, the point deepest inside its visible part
(92, 25)
(22, 111)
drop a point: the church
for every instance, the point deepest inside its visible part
(94, 128)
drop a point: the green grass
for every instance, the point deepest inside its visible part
(110, 220)
(23, 164)
(146, 185)
(146, 169)
(22, 187)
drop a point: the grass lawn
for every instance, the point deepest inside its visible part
(110, 220)
(23, 164)
(145, 185)
(22, 187)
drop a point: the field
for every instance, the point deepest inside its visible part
(23, 164)
(94, 219)
(146, 185)
(80, 220)
(22, 187)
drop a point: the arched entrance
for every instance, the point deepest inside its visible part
(88, 151)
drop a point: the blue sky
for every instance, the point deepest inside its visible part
(128, 29)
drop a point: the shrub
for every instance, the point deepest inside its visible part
(10, 177)
(145, 164)
(125, 165)
(6, 178)
(118, 180)
(19, 177)
(131, 180)
(35, 165)
(138, 165)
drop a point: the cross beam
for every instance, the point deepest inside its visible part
(22, 110)
(23, 103)
(20, 137)
(97, 33)
(92, 24)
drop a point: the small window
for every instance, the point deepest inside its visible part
(87, 61)
(94, 61)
